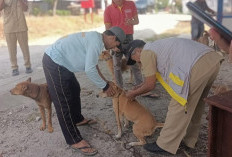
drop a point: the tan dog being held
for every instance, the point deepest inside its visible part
(106, 56)
(144, 122)
(204, 39)
(39, 93)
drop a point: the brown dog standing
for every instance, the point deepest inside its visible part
(144, 122)
(38, 92)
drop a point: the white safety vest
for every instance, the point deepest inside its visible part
(175, 59)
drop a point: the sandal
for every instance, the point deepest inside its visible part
(86, 122)
(85, 153)
(150, 95)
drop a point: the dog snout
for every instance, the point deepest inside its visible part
(12, 91)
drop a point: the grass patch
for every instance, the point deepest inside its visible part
(44, 26)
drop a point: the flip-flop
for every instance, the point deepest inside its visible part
(88, 122)
(150, 95)
(85, 153)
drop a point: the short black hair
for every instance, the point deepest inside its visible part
(109, 33)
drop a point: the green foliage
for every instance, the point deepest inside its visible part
(161, 4)
(179, 5)
(60, 12)
(49, 1)
(36, 11)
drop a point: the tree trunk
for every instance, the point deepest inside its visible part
(54, 7)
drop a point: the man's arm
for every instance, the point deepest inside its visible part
(109, 86)
(99, 72)
(147, 86)
(208, 9)
(2, 4)
(211, 11)
(24, 4)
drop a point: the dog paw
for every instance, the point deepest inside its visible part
(140, 143)
(42, 128)
(135, 144)
(50, 129)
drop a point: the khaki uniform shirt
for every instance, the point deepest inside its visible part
(150, 68)
(14, 18)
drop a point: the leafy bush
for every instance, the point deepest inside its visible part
(60, 12)
(63, 12)
(179, 5)
(161, 4)
(36, 11)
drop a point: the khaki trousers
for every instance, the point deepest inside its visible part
(22, 38)
(180, 126)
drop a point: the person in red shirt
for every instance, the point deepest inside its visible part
(123, 14)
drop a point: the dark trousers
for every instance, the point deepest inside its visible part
(64, 90)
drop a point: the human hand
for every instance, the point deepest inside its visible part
(116, 49)
(110, 91)
(129, 22)
(219, 40)
(130, 95)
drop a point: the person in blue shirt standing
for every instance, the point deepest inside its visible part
(78, 52)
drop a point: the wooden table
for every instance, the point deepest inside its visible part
(220, 125)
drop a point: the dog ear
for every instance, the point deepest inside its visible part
(24, 87)
(29, 79)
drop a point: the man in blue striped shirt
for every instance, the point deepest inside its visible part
(77, 52)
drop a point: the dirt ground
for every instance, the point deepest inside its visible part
(20, 118)
(19, 125)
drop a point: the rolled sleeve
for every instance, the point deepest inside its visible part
(148, 61)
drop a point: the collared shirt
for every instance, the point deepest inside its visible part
(117, 16)
(14, 18)
(79, 52)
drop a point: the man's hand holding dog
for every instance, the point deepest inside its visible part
(109, 89)
(130, 94)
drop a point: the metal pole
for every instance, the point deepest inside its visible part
(220, 11)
